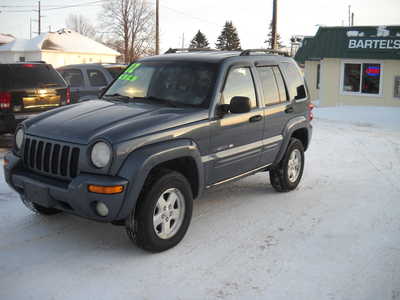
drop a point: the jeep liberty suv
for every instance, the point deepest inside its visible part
(168, 128)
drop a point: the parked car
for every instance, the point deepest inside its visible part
(167, 129)
(27, 89)
(88, 80)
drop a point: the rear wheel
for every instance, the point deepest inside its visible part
(287, 174)
(163, 212)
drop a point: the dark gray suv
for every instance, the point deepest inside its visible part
(86, 81)
(168, 128)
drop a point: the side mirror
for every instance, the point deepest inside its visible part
(301, 92)
(240, 105)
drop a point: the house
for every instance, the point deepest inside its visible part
(63, 47)
(358, 65)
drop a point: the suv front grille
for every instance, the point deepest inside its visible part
(51, 158)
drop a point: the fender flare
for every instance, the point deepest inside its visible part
(140, 162)
(293, 125)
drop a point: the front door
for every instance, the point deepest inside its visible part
(236, 140)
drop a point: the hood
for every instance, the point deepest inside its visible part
(115, 121)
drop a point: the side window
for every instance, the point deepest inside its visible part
(96, 78)
(271, 93)
(74, 77)
(281, 84)
(295, 81)
(239, 83)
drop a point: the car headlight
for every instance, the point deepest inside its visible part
(19, 138)
(101, 154)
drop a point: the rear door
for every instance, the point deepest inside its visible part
(97, 81)
(276, 111)
(36, 87)
(74, 78)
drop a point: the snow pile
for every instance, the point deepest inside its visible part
(366, 116)
(6, 38)
(64, 40)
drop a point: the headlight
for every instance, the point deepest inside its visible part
(101, 154)
(19, 138)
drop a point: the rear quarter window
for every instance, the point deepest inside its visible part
(294, 79)
(35, 76)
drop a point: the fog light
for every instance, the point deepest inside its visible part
(102, 209)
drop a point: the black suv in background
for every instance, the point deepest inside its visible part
(27, 89)
(88, 80)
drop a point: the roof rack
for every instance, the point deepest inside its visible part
(248, 52)
(179, 50)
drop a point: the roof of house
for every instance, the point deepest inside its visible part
(63, 40)
(6, 38)
(360, 42)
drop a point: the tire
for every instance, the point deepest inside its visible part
(163, 212)
(39, 209)
(287, 174)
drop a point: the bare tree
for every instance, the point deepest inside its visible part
(131, 23)
(81, 25)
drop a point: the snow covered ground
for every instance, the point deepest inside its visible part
(336, 237)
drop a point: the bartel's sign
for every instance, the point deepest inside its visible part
(374, 43)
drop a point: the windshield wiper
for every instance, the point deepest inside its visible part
(118, 97)
(159, 100)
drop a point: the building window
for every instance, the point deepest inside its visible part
(362, 78)
(318, 75)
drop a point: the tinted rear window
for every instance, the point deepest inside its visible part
(35, 76)
(295, 79)
(115, 71)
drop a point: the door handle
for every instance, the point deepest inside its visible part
(255, 119)
(289, 110)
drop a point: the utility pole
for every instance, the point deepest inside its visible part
(30, 28)
(349, 15)
(39, 19)
(183, 40)
(352, 19)
(157, 27)
(274, 25)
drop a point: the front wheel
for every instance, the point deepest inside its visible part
(287, 174)
(163, 212)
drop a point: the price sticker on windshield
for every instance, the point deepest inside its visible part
(127, 75)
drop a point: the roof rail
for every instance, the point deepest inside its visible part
(33, 61)
(248, 52)
(178, 50)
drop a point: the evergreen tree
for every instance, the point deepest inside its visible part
(199, 41)
(278, 39)
(229, 38)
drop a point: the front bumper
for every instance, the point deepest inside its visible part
(72, 197)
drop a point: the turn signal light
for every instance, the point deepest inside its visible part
(5, 100)
(310, 113)
(107, 190)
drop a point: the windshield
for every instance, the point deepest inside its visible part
(176, 82)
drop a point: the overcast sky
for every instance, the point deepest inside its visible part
(251, 17)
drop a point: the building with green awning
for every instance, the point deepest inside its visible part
(357, 65)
